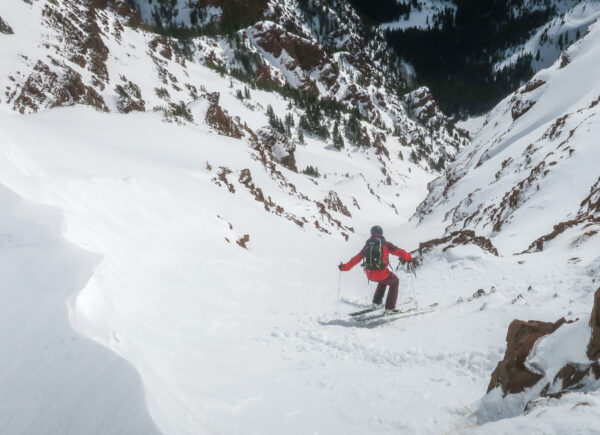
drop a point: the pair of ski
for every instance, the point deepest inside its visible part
(379, 313)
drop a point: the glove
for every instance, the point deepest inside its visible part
(340, 265)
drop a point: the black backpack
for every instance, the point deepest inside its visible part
(373, 252)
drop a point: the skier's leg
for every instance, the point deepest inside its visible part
(392, 296)
(379, 292)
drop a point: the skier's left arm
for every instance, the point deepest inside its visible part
(394, 250)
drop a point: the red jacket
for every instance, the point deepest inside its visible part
(378, 274)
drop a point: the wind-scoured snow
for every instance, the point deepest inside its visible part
(53, 380)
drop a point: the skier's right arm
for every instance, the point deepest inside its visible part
(353, 262)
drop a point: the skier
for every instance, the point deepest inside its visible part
(376, 252)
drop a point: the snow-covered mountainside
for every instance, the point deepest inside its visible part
(529, 187)
(546, 44)
(567, 23)
(338, 86)
(175, 198)
(515, 183)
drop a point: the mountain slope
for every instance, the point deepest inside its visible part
(102, 55)
(217, 230)
(488, 49)
(528, 186)
(521, 161)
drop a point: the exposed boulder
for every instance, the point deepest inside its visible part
(511, 373)
(520, 107)
(533, 85)
(5, 28)
(572, 377)
(534, 368)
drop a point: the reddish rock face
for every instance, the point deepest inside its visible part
(422, 104)
(217, 118)
(593, 349)
(303, 54)
(333, 202)
(511, 373)
(520, 107)
(45, 87)
(571, 376)
(463, 237)
(279, 146)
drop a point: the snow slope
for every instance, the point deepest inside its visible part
(171, 295)
(232, 340)
(53, 379)
(210, 267)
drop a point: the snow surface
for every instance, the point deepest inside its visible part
(52, 379)
(228, 340)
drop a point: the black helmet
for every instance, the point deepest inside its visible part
(376, 230)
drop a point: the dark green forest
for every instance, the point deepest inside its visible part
(456, 54)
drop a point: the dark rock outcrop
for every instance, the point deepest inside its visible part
(511, 373)
(520, 107)
(279, 146)
(513, 377)
(463, 237)
(5, 28)
(218, 119)
(333, 202)
(55, 88)
(424, 107)
(302, 55)
(593, 349)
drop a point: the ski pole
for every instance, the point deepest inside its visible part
(337, 303)
(412, 281)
